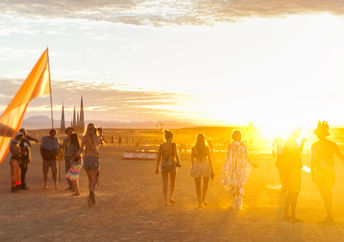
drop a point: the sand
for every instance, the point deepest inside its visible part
(129, 206)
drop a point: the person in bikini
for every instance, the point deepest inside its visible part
(168, 160)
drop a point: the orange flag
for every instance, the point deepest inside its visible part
(36, 84)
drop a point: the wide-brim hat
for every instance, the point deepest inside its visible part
(322, 129)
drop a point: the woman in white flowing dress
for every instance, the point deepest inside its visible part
(236, 169)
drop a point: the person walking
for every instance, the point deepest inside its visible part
(67, 152)
(90, 145)
(277, 148)
(15, 160)
(25, 149)
(201, 167)
(49, 150)
(293, 169)
(169, 159)
(323, 167)
(236, 169)
(74, 159)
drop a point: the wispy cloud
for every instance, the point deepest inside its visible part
(9, 53)
(166, 12)
(102, 101)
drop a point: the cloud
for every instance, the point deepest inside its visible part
(167, 12)
(102, 101)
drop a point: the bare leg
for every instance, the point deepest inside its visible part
(293, 202)
(198, 190)
(164, 176)
(94, 179)
(45, 174)
(89, 176)
(205, 189)
(326, 194)
(286, 206)
(54, 173)
(97, 179)
(75, 185)
(172, 185)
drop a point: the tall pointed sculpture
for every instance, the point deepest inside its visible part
(82, 117)
(74, 119)
(63, 125)
(77, 121)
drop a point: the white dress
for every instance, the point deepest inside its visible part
(200, 167)
(236, 171)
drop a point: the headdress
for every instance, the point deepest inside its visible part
(322, 129)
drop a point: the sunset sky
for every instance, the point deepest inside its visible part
(273, 62)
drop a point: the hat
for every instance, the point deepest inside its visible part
(19, 134)
(69, 129)
(322, 129)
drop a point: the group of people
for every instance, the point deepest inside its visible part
(289, 164)
(72, 149)
(236, 168)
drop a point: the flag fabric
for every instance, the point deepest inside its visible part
(36, 84)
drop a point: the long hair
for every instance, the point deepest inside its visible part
(168, 134)
(236, 135)
(74, 139)
(200, 144)
(91, 130)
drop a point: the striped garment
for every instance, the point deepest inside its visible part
(73, 172)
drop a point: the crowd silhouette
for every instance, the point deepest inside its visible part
(84, 153)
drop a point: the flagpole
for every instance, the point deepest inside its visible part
(51, 96)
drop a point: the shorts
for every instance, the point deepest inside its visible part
(50, 163)
(168, 166)
(91, 163)
(200, 169)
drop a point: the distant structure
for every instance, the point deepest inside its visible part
(63, 125)
(74, 119)
(82, 116)
(78, 119)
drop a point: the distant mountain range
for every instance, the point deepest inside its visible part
(44, 122)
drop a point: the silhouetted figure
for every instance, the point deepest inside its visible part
(236, 169)
(293, 168)
(202, 167)
(277, 148)
(16, 157)
(67, 151)
(101, 135)
(25, 148)
(74, 159)
(119, 140)
(169, 159)
(49, 150)
(91, 143)
(323, 169)
(112, 139)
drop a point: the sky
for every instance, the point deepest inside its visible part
(209, 62)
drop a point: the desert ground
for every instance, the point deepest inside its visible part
(130, 205)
